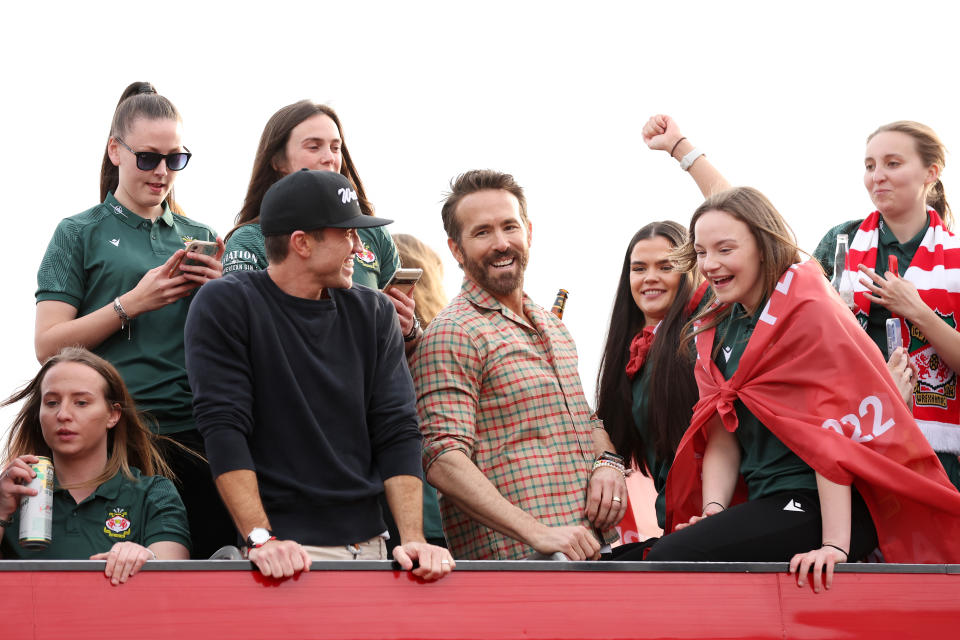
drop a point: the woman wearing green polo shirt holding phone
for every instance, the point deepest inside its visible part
(307, 135)
(109, 281)
(107, 504)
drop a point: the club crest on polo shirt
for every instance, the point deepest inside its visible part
(187, 239)
(117, 524)
(119, 210)
(367, 257)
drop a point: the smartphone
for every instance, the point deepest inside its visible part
(894, 337)
(194, 246)
(404, 279)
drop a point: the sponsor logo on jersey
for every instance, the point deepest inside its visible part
(117, 524)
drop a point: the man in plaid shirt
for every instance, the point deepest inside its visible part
(509, 440)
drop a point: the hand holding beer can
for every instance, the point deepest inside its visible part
(36, 512)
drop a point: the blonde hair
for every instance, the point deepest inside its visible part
(429, 295)
(129, 443)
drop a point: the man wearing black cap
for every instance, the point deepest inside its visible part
(302, 393)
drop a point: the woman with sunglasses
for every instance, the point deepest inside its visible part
(110, 282)
(306, 135)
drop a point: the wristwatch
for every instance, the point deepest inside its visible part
(259, 537)
(413, 330)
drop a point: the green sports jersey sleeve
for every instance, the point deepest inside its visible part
(61, 275)
(826, 250)
(166, 517)
(245, 250)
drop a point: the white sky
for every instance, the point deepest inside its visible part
(780, 95)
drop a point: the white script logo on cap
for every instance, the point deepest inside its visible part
(346, 195)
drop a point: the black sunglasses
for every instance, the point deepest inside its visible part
(148, 160)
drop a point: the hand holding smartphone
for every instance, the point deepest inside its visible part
(894, 337)
(404, 279)
(195, 246)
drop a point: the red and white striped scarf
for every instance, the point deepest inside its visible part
(935, 271)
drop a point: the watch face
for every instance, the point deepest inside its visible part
(258, 537)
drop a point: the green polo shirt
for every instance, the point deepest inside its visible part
(372, 268)
(102, 253)
(767, 465)
(145, 510)
(887, 246)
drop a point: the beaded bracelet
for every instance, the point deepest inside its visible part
(608, 463)
(124, 318)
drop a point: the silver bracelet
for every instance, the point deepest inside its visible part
(690, 158)
(124, 318)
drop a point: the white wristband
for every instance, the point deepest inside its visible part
(690, 158)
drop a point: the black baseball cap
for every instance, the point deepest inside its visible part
(307, 200)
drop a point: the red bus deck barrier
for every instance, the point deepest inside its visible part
(539, 600)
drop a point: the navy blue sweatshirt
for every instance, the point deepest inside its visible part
(313, 395)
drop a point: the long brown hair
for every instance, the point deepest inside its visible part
(129, 443)
(672, 382)
(931, 152)
(271, 153)
(139, 100)
(775, 242)
(429, 295)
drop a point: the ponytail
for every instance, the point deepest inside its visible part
(139, 100)
(937, 199)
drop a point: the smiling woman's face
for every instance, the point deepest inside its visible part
(653, 278)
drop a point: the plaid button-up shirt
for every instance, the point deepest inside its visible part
(505, 391)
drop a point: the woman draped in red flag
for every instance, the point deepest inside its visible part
(904, 263)
(796, 399)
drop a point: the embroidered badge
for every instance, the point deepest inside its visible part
(936, 382)
(187, 239)
(119, 210)
(117, 525)
(367, 258)
(115, 242)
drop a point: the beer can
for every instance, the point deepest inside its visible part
(36, 512)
